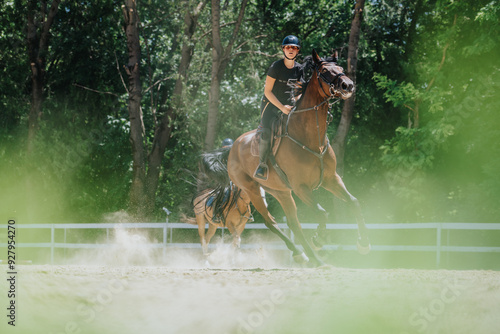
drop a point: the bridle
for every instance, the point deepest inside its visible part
(327, 97)
(334, 82)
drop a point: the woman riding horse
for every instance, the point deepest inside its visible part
(276, 97)
(304, 157)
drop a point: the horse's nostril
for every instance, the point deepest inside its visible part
(344, 86)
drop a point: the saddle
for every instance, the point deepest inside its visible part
(277, 131)
(211, 198)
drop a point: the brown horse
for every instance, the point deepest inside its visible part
(234, 217)
(306, 159)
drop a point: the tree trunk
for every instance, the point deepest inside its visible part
(213, 97)
(412, 31)
(164, 129)
(348, 108)
(38, 45)
(220, 60)
(137, 189)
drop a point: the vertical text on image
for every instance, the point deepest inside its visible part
(11, 272)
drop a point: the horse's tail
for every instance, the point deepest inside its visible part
(214, 166)
(224, 195)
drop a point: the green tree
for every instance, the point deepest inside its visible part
(221, 55)
(428, 161)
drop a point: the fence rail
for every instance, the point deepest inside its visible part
(168, 231)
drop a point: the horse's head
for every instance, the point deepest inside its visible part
(332, 75)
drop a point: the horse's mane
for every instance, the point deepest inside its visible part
(308, 66)
(216, 182)
(296, 90)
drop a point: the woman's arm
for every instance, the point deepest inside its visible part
(268, 92)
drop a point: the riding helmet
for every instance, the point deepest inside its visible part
(227, 142)
(291, 40)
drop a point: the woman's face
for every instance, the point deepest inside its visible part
(290, 51)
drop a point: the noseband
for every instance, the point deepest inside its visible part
(331, 83)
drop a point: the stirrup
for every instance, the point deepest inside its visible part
(261, 172)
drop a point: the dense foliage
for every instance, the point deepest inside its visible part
(423, 144)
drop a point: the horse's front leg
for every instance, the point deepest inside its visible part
(200, 221)
(210, 233)
(231, 223)
(307, 196)
(318, 239)
(288, 204)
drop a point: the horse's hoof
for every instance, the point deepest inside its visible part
(315, 244)
(363, 250)
(317, 264)
(301, 258)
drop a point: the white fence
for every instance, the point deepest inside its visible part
(168, 232)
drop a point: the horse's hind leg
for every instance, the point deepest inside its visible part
(252, 189)
(338, 188)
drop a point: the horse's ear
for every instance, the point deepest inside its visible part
(335, 55)
(315, 57)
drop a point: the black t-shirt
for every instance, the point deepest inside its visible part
(282, 74)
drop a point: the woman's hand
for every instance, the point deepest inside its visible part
(268, 92)
(286, 109)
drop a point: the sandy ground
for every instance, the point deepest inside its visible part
(162, 299)
(129, 289)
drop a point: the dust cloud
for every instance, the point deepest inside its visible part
(135, 247)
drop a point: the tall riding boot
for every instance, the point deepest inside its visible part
(264, 147)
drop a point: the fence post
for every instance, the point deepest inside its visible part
(165, 240)
(438, 246)
(52, 244)
(165, 235)
(64, 254)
